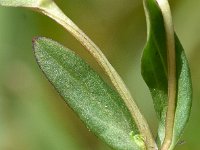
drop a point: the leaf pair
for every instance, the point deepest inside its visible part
(110, 113)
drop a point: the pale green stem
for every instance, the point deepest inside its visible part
(56, 14)
(171, 59)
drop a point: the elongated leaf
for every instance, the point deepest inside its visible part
(154, 71)
(97, 104)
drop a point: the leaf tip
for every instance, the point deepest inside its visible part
(35, 41)
(36, 46)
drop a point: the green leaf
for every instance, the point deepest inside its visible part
(98, 105)
(154, 71)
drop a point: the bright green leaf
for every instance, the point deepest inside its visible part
(154, 71)
(98, 105)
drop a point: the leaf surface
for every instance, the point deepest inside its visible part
(97, 104)
(154, 71)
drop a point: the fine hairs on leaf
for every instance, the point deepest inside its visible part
(97, 105)
(112, 114)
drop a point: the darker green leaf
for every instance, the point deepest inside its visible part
(98, 105)
(154, 72)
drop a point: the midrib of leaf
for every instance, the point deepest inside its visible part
(154, 72)
(162, 60)
(172, 81)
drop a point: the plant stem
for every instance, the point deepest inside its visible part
(171, 60)
(56, 14)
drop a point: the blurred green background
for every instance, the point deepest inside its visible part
(32, 114)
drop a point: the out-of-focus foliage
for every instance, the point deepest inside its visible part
(33, 116)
